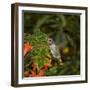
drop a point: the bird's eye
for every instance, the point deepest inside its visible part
(50, 40)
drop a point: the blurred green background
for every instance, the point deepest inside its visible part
(65, 30)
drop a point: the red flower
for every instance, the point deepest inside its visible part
(33, 74)
(41, 73)
(46, 67)
(27, 48)
(34, 67)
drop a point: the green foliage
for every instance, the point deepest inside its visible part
(40, 48)
(52, 71)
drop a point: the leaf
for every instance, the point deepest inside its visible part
(52, 71)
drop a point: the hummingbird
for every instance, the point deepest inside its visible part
(54, 50)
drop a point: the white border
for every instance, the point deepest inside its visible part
(52, 78)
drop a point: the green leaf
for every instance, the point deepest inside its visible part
(52, 71)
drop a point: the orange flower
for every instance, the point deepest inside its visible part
(27, 48)
(41, 73)
(34, 67)
(46, 67)
(33, 74)
(37, 75)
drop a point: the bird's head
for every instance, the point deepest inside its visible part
(50, 41)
